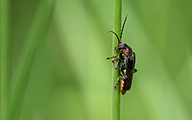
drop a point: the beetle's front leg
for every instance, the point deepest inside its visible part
(115, 56)
(119, 59)
(116, 63)
(112, 56)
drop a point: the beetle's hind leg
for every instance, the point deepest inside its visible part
(117, 82)
(122, 84)
(120, 77)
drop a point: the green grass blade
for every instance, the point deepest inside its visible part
(36, 32)
(115, 72)
(4, 59)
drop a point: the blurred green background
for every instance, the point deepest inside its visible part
(70, 78)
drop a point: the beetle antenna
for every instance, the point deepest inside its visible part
(123, 26)
(115, 34)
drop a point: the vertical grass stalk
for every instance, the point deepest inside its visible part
(4, 59)
(115, 72)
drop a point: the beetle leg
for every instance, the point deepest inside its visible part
(117, 64)
(120, 60)
(112, 56)
(115, 56)
(135, 70)
(117, 82)
(114, 62)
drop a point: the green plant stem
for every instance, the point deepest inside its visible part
(4, 59)
(115, 72)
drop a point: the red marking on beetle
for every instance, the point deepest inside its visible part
(126, 52)
(116, 48)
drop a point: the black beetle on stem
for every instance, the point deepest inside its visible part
(126, 61)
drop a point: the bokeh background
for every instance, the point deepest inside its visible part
(70, 78)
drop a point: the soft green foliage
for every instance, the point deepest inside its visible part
(70, 78)
(4, 58)
(35, 34)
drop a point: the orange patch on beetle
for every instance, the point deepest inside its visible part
(126, 52)
(116, 48)
(122, 86)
